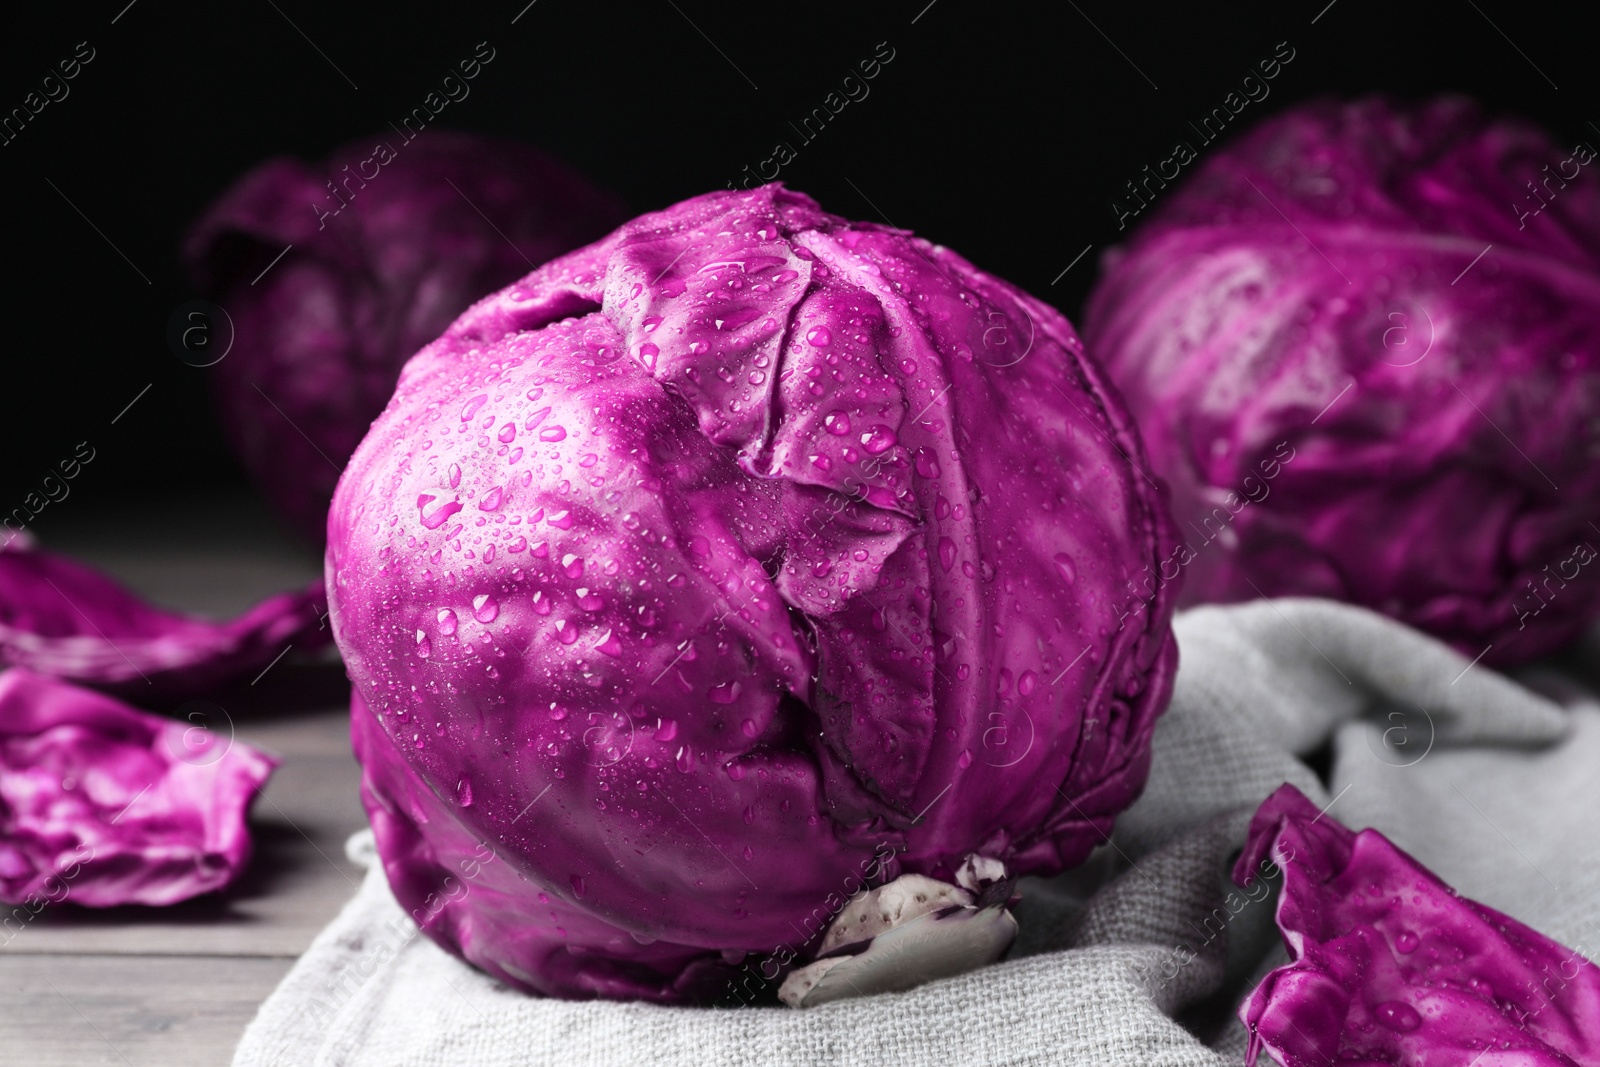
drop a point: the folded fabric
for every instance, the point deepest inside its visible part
(1141, 956)
(102, 804)
(61, 618)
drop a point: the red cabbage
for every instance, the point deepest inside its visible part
(1368, 363)
(742, 559)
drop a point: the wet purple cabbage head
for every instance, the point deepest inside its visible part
(102, 804)
(744, 558)
(1363, 346)
(382, 245)
(1389, 965)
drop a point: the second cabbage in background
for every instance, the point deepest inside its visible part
(1363, 344)
(334, 274)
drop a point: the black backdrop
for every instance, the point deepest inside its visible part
(1004, 131)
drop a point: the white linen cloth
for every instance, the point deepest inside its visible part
(1139, 958)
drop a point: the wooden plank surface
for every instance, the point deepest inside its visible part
(177, 985)
(161, 1011)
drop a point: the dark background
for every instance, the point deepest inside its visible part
(1003, 131)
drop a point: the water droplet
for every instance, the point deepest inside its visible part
(472, 406)
(464, 792)
(1397, 1016)
(553, 433)
(565, 633)
(878, 440)
(536, 418)
(819, 337)
(699, 548)
(561, 520)
(573, 565)
(609, 644)
(947, 553)
(749, 852)
(541, 603)
(837, 423)
(589, 600)
(508, 433)
(517, 544)
(965, 759)
(455, 475)
(491, 500)
(726, 693)
(485, 608)
(648, 353)
(424, 647)
(685, 760)
(1407, 942)
(435, 509)
(1027, 683)
(447, 621)
(557, 712)
(667, 730)
(1064, 565)
(577, 886)
(649, 325)
(821, 569)
(748, 728)
(927, 464)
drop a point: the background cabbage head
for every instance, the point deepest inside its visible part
(382, 245)
(1363, 345)
(743, 558)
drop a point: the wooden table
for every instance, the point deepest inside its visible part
(176, 986)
